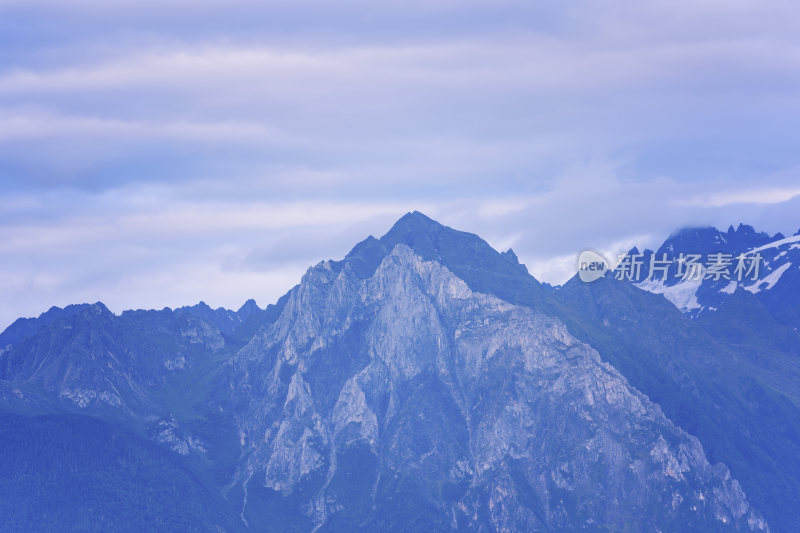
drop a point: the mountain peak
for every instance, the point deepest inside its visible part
(415, 220)
(414, 229)
(708, 239)
(741, 229)
(418, 231)
(248, 308)
(100, 308)
(22, 328)
(469, 257)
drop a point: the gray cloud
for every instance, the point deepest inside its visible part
(162, 152)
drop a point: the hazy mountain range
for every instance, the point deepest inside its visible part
(426, 382)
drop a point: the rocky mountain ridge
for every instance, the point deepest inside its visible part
(427, 381)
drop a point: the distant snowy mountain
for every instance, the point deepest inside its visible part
(724, 262)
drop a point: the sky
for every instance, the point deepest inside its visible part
(159, 153)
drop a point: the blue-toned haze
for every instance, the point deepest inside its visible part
(156, 153)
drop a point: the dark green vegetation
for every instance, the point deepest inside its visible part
(77, 473)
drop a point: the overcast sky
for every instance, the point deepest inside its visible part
(156, 153)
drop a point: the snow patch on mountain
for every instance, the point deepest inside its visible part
(730, 288)
(770, 259)
(682, 294)
(769, 280)
(776, 244)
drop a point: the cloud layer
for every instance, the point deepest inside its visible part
(162, 152)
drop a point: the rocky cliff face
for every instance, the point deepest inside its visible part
(404, 397)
